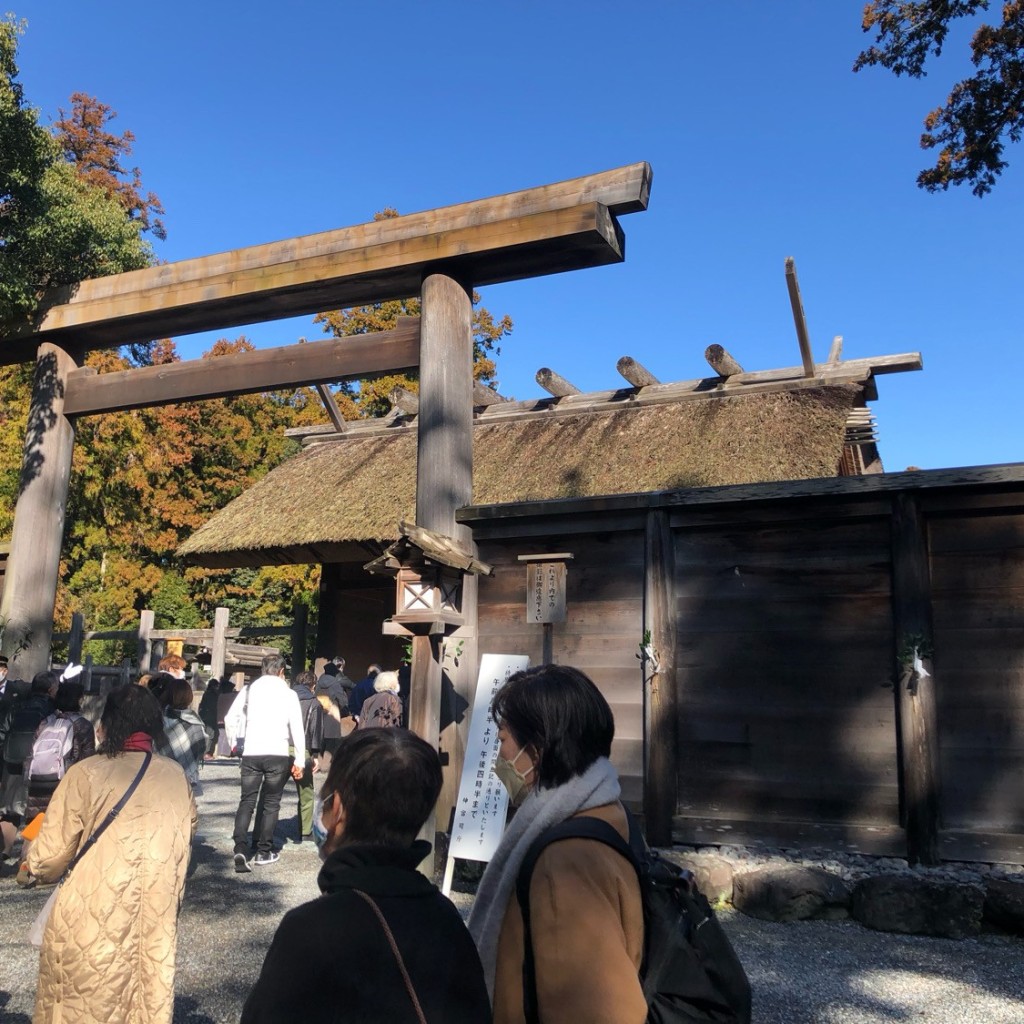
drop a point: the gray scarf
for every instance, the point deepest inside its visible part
(597, 786)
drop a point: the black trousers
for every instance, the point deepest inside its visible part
(263, 781)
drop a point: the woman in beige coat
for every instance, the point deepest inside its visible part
(587, 928)
(109, 946)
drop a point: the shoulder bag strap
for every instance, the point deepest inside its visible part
(398, 956)
(572, 828)
(112, 814)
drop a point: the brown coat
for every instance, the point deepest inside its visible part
(109, 946)
(587, 925)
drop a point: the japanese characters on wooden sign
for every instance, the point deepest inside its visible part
(545, 592)
(482, 802)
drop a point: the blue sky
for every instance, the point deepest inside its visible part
(260, 121)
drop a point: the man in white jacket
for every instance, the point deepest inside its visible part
(266, 713)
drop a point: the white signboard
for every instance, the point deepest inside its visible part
(482, 804)
(545, 592)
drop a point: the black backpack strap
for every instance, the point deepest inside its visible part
(572, 828)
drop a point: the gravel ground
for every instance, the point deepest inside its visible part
(805, 973)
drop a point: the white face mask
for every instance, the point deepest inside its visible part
(515, 781)
(320, 832)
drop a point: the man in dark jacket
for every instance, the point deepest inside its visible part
(21, 718)
(382, 785)
(313, 723)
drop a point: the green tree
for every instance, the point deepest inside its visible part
(55, 228)
(370, 397)
(984, 110)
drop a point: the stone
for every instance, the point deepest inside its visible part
(790, 893)
(712, 874)
(914, 905)
(1004, 905)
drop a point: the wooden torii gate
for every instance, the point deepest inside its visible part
(440, 254)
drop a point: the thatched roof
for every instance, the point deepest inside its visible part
(339, 500)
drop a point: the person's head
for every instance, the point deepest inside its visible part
(386, 682)
(306, 678)
(180, 694)
(45, 682)
(227, 686)
(274, 665)
(373, 671)
(330, 669)
(160, 686)
(69, 696)
(339, 663)
(381, 788)
(129, 709)
(3, 668)
(554, 724)
(174, 665)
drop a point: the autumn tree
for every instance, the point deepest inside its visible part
(98, 156)
(55, 227)
(982, 111)
(370, 397)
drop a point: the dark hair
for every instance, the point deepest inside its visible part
(129, 709)
(273, 664)
(305, 678)
(69, 696)
(388, 781)
(330, 669)
(160, 686)
(227, 685)
(180, 694)
(42, 682)
(558, 711)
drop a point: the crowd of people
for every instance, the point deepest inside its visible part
(365, 787)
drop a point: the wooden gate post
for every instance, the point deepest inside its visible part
(219, 647)
(30, 585)
(916, 714)
(144, 644)
(444, 475)
(299, 616)
(75, 638)
(661, 703)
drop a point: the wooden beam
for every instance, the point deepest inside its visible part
(554, 384)
(637, 375)
(30, 581)
(564, 226)
(484, 396)
(661, 701)
(265, 369)
(799, 320)
(337, 420)
(721, 362)
(917, 716)
(835, 353)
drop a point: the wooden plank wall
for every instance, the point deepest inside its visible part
(604, 609)
(977, 576)
(785, 651)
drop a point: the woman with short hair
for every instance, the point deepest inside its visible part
(109, 945)
(184, 736)
(381, 942)
(555, 730)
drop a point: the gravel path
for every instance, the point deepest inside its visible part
(806, 973)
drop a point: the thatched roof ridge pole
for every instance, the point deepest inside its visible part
(483, 395)
(556, 385)
(404, 400)
(835, 353)
(798, 317)
(637, 375)
(721, 362)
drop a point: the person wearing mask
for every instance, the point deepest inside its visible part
(409, 956)
(555, 729)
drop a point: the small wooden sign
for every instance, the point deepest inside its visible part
(545, 592)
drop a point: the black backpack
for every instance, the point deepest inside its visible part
(690, 971)
(22, 733)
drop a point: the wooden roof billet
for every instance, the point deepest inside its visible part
(563, 226)
(432, 545)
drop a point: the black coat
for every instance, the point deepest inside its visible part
(330, 962)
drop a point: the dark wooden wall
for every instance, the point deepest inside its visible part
(787, 668)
